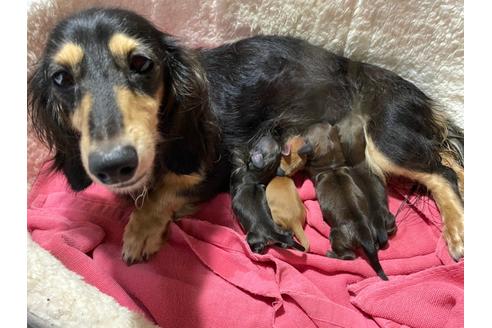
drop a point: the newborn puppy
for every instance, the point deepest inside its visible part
(352, 198)
(353, 142)
(256, 171)
(285, 204)
(344, 145)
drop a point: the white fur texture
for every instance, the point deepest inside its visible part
(420, 40)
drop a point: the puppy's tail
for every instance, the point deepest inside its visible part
(301, 236)
(372, 256)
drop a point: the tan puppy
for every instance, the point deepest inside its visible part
(285, 204)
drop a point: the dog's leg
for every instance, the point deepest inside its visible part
(375, 191)
(449, 161)
(144, 233)
(442, 183)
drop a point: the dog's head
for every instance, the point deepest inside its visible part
(97, 93)
(295, 153)
(326, 149)
(264, 155)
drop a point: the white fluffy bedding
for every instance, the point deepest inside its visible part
(420, 40)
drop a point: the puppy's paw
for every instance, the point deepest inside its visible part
(343, 255)
(142, 239)
(259, 239)
(390, 223)
(455, 239)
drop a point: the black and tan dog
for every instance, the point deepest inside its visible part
(122, 104)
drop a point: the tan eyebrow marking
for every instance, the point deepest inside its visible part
(121, 45)
(70, 54)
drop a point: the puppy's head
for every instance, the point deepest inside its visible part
(295, 153)
(96, 95)
(264, 155)
(326, 147)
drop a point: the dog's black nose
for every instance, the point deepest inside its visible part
(116, 165)
(280, 172)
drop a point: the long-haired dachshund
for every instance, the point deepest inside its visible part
(123, 104)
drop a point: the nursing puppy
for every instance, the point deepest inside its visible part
(352, 198)
(281, 193)
(250, 180)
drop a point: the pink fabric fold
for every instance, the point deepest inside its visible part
(430, 298)
(206, 276)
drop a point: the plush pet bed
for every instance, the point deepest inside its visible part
(420, 40)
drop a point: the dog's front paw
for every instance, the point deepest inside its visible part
(455, 239)
(142, 238)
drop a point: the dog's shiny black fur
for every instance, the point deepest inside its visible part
(217, 100)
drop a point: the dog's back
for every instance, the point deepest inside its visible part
(287, 208)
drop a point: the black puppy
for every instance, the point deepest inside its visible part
(248, 190)
(352, 198)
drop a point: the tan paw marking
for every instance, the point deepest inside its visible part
(455, 240)
(141, 239)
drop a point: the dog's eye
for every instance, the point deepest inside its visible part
(63, 79)
(140, 64)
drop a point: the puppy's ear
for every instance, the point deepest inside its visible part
(306, 150)
(286, 149)
(49, 121)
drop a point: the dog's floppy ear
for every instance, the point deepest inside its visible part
(50, 124)
(185, 82)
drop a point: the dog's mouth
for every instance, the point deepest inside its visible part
(130, 186)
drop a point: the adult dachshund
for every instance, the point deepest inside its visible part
(122, 104)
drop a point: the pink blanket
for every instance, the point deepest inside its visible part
(206, 276)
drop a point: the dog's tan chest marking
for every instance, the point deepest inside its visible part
(147, 227)
(70, 55)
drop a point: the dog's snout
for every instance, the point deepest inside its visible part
(115, 165)
(280, 172)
